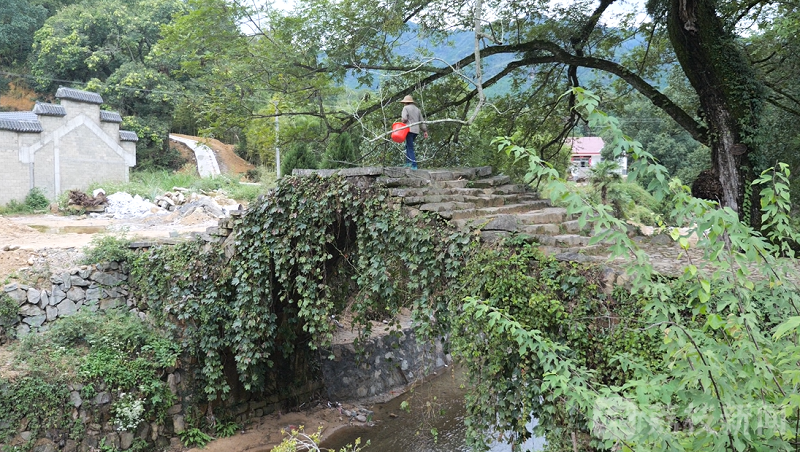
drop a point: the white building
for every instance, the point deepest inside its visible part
(58, 147)
(586, 153)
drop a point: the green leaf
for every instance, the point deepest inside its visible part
(789, 326)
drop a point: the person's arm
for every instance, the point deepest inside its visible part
(423, 125)
(404, 114)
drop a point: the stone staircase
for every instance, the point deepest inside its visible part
(474, 199)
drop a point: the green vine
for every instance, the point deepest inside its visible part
(311, 249)
(564, 304)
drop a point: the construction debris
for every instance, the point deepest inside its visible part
(81, 200)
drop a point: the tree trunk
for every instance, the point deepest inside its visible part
(730, 94)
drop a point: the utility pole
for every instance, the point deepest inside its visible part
(277, 135)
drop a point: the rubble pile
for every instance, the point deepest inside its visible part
(79, 200)
(172, 199)
(180, 203)
(122, 205)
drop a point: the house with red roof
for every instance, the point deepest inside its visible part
(586, 153)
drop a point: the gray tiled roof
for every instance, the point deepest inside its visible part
(16, 124)
(19, 116)
(78, 95)
(127, 135)
(49, 109)
(110, 116)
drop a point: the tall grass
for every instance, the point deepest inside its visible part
(149, 184)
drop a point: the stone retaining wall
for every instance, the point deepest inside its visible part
(104, 287)
(387, 363)
(92, 287)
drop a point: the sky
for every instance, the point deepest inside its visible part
(619, 8)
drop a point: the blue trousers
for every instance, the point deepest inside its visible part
(411, 158)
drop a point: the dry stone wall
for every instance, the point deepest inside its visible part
(92, 287)
(104, 287)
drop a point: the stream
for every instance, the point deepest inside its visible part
(436, 404)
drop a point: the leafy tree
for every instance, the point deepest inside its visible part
(92, 39)
(603, 175)
(537, 50)
(18, 21)
(702, 361)
(341, 153)
(299, 156)
(152, 149)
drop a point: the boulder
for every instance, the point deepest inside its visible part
(76, 280)
(76, 294)
(105, 279)
(57, 295)
(35, 321)
(125, 440)
(66, 308)
(28, 310)
(102, 398)
(75, 399)
(51, 312)
(34, 296)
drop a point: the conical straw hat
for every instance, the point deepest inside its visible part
(407, 100)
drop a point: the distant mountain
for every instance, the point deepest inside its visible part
(461, 43)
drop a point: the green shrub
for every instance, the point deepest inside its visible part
(192, 437)
(115, 348)
(36, 200)
(152, 149)
(226, 429)
(341, 153)
(299, 156)
(8, 311)
(42, 403)
(632, 202)
(108, 248)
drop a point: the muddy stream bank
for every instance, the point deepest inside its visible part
(436, 404)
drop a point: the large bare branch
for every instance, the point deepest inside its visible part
(554, 54)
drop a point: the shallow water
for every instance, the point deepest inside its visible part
(68, 229)
(436, 404)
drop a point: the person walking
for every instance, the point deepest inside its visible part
(411, 115)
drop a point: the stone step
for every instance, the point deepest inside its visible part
(510, 189)
(440, 207)
(477, 201)
(542, 229)
(473, 191)
(413, 182)
(461, 183)
(573, 227)
(485, 201)
(529, 200)
(549, 215)
(463, 214)
(494, 181)
(508, 209)
(406, 192)
(563, 241)
(438, 175)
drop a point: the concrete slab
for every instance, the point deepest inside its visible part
(207, 165)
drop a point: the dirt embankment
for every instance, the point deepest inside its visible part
(229, 163)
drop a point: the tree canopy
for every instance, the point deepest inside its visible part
(531, 50)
